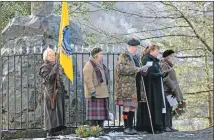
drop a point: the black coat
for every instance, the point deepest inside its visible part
(153, 87)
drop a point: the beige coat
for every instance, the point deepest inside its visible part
(91, 83)
(125, 78)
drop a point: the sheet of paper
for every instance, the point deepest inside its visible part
(172, 101)
(148, 64)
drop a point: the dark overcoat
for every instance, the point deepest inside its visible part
(53, 117)
(153, 86)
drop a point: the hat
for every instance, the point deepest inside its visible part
(95, 51)
(133, 42)
(167, 53)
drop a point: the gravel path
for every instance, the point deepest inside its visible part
(206, 134)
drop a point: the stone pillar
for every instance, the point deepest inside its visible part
(42, 8)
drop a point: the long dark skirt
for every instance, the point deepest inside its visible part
(97, 109)
(143, 120)
(54, 118)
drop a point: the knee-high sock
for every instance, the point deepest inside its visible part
(130, 119)
(125, 119)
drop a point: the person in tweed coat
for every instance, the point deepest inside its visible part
(96, 79)
(129, 84)
(171, 86)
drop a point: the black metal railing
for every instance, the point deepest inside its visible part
(21, 95)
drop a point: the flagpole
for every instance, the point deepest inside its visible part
(64, 48)
(57, 60)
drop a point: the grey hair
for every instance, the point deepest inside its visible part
(45, 53)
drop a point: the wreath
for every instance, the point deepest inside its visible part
(179, 110)
(88, 131)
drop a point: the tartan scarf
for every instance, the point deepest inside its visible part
(98, 72)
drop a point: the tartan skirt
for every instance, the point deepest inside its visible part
(127, 102)
(97, 109)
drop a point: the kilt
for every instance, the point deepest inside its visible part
(97, 109)
(127, 102)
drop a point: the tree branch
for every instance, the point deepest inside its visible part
(191, 49)
(184, 57)
(100, 31)
(193, 29)
(78, 7)
(182, 35)
(197, 92)
(134, 14)
(154, 30)
(115, 43)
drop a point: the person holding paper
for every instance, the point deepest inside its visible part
(155, 94)
(171, 86)
(128, 84)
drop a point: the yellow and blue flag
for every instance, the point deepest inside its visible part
(64, 43)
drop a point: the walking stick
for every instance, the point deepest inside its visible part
(148, 106)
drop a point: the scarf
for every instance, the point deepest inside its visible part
(97, 68)
(49, 65)
(170, 63)
(134, 58)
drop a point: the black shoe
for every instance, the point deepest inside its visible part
(128, 131)
(134, 132)
(103, 133)
(93, 123)
(48, 135)
(167, 129)
(158, 132)
(51, 135)
(101, 124)
(173, 129)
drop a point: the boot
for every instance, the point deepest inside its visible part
(51, 133)
(93, 123)
(125, 120)
(101, 124)
(130, 123)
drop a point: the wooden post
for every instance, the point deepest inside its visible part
(209, 97)
(209, 111)
(1, 126)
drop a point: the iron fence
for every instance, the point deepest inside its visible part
(21, 95)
